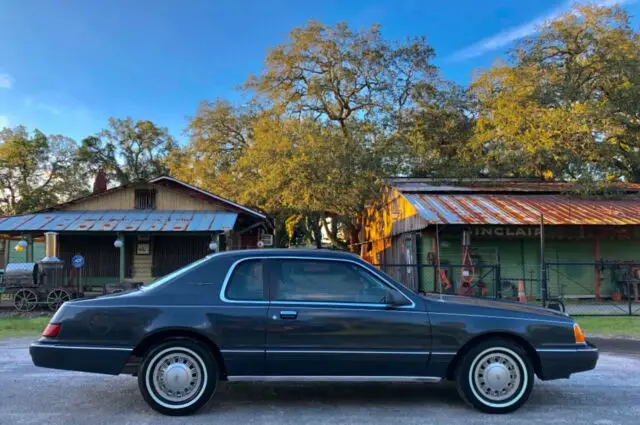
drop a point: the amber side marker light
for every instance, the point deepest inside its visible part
(579, 335)
(51, 331)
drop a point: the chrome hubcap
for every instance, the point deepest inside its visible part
(497, 376)
(177, 376)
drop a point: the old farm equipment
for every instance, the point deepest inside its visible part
(29, 285)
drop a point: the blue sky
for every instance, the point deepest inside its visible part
(68, 65)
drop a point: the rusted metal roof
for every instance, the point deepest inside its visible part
(120, 221)
(523, 209)
(420, 185)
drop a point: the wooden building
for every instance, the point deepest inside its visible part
(477, 226)
(159, 226)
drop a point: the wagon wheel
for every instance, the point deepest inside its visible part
(25, 300)
(56, 297)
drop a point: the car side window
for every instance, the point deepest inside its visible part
(246, 282)
(328, 281)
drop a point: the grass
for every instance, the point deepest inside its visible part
(626, 327)
(15, 326)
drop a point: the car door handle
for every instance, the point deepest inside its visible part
(289, 314)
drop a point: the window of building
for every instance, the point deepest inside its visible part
(145, 199)
(246, 282)
(328, 281)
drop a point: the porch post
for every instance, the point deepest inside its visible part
(122, 262)
(7, 248)
(597, 257)
(29, 248)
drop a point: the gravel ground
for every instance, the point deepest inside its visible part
(607, 395)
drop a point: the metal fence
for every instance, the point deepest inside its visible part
(480, 281)
(595, 288)
(584, 289)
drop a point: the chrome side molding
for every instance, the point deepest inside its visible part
(320, 378)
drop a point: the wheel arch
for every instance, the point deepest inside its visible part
(161, 335)
(531, 352)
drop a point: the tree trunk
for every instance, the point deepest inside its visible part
(335, 241)
(314, 224)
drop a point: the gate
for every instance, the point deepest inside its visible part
(599, 288)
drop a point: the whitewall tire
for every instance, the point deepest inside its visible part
(178, 377)
(495, 376)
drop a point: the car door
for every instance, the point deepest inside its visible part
(242, 319)
(330, 317)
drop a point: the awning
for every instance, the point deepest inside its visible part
(120, 221)
(523, 209)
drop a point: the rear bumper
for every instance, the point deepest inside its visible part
(559, 363)
(96, 359)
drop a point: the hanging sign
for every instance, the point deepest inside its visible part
(77, 261)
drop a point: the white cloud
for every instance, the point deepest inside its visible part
(508, 36)
(4, 122)
(6, 81)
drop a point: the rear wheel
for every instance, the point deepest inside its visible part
(495, 376)
(178, 377)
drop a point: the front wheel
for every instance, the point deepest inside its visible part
(178, 377)
(495, 376)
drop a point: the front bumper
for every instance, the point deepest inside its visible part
(96, 359)
(559, 363)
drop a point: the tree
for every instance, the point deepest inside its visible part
(566, 105)
(218, 135)
(309, 169)
(37, 171)
(435, 134)
(355, 86)
(333, 73)
(128, 150)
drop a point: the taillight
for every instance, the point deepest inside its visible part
(578, 334)
(52, 330)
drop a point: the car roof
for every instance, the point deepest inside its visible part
(289, 252)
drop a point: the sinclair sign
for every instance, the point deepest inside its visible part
(551, 232)
(506, 232)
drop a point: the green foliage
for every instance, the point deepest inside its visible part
(435, 134)
(37, 170)
(340, 75)
(566, 105)
(128, 151)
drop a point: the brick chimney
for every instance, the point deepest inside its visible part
(100, 183)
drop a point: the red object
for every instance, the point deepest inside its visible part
(522, 297)
(445, 279)
(51, 331)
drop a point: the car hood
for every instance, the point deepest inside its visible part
(503, 306)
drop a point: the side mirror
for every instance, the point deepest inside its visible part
(395, 300)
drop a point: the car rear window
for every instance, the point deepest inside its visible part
(247, 282)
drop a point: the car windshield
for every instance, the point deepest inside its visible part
(166, 278)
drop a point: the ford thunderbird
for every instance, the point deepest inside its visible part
(308, 315)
